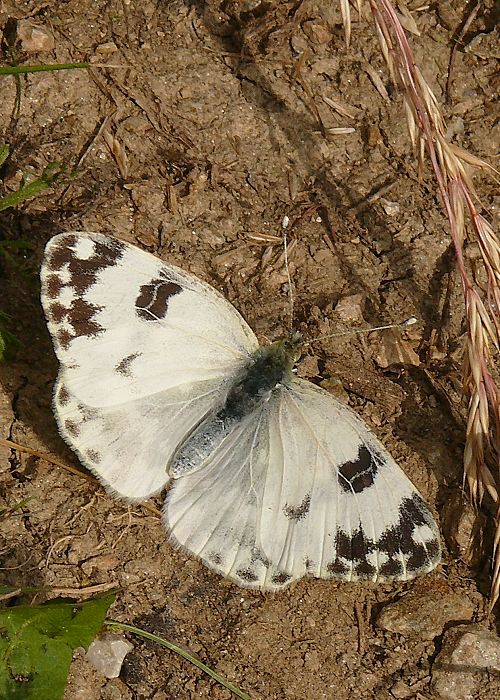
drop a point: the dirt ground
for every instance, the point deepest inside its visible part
(219, 119)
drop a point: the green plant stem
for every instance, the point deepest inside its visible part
(178, 650)
(19, 70)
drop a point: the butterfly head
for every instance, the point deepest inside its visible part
(292, 346)
(285, 353)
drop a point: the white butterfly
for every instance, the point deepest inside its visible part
(271, 478)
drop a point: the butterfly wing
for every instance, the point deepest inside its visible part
(214, 512)
(303, 487)
(345, 508)
(145, 351)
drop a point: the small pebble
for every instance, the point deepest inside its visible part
(349, 309)
(34, 38)
(390, 208)
(106, 49)
(425, 613)
(106, 654)
(468, 665)
(463, 527)
(400, 690)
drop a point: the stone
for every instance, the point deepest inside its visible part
(468, 665)
(350, 309)
(401, 690)
(391, 208)
(463, 527)
(425, 612)
(106, 654)
(34, 38)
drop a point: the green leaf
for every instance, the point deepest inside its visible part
(51, 173)
(6, 512)
(37, 643)
(4, 153)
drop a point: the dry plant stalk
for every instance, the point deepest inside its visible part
(449, 163)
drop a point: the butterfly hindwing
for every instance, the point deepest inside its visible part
(302, 487)
(214, 511)
(145, 349)
(129, 445)
(352, 511)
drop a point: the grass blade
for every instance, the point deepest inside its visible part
(178, 650)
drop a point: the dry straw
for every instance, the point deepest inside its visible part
(451, 164)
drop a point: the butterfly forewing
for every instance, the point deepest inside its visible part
(146, 350)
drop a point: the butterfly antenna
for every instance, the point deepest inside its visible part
(284, 225)
(402, 324)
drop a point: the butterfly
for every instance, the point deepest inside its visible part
(163, 383)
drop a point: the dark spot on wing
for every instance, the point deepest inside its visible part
(87, 412)
(352, 556)
(404, 551)
(93, 456)
(72, 427)
(258, 555)
(57, 312)
(247, 575)
(363, 570)
(352, 547)
(84, 271)
(53, 286)
(81, 273)
(123, 367)
(64, 338)
(413, 511)
(402, 554)
(281, 578)
(400, 538)
(358, 475)
(63, 395)
(393, 568)
(298, 512)
(337, 569)
(215, 558)
(81, 317)
(433, 549)
(152, 302)
(61, 254)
